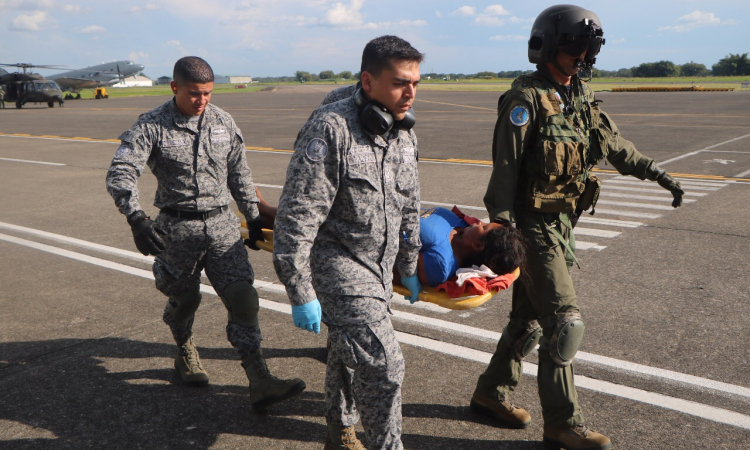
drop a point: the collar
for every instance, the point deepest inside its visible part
(183, 121)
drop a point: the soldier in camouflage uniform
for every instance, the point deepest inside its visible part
(340, 94)
(550, 133)
(349, 211)
(197, 154)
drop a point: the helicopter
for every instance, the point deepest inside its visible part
(23, 87)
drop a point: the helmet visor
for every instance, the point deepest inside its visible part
(574, 45)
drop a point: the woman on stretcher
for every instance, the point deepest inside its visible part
(451, 240)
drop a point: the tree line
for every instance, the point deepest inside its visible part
(731, 65)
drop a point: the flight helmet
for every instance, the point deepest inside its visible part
(569, 28)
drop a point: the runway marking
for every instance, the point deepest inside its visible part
(617, 212)
(686, 155)
(449, 161)
(634, 205)
(684, 406)
(400, 315)
(460, 106)
(632, 182)
(639, 395)
(32, 162)
(659, 191)
(609, 222)
(581, 231)
(642, 197)
(743, 174)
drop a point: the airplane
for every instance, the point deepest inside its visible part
(96, 76)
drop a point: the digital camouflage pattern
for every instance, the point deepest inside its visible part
(339, 94)
(349, 211)
(349, 208)
(200, 165)
(365, 363)
(544, 146)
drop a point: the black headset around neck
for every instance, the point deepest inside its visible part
(376, 119)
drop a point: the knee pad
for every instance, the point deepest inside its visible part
(526, 342)
(182, 307)
(241, 299)
(567, 337)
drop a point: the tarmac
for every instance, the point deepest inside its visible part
(86, 362)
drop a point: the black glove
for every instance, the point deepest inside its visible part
(655, 173)
(255, 234)
(146, 234)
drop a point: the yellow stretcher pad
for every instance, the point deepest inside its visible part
(429, 294)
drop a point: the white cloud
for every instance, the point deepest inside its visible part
(509, 37)
(174, 42)
(464, 11)
(695, 19)
(492, 21)
(92, 29)
(438, 14)
(72, 9)
(618, 41)
(151, 7)
(496, 10)
(139, 57)
(28, 22)
(342, 14)
(148, 7)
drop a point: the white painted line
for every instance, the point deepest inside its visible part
(686, 155)
(631, 182)
(650, 191)
(687, 181)
(634, 205)
(743, 174)
(643, 197)
(32, 162)
(80, 243)
(580, 231)
(639, 395)
(617, 212)
(583, 245)
(609, 222)
(451, 205)
(434, 323)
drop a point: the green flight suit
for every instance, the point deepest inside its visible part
(542, 158)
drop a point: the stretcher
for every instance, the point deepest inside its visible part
(429, 294)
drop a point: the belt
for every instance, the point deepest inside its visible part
(195, 215)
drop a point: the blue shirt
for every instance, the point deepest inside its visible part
(435, 229)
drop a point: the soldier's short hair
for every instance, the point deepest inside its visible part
(192, 69)
(381, 51)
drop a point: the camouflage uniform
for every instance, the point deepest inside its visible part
(349, 211)
(200, 165)
(339, 94)
(527, 149)
(2, 98)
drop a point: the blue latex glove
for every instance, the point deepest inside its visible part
(414, 286)
(307, 316)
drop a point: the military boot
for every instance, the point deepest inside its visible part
(504, 411)
(188, 365)
(348, 440)
(575, 438)
(266, 389)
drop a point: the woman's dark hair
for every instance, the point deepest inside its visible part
(504, 250)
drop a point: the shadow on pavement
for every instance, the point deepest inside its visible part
(115, 393)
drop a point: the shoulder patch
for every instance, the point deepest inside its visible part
(122, 151)
(519, 115)
(317, 149)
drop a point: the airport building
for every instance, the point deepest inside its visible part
(138, 80)
(232, 79)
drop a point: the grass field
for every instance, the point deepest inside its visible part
(494, 85)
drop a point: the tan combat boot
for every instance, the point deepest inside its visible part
(188, 365)
(504, 411)
(578, 437)
(348, 438)
(266, 389)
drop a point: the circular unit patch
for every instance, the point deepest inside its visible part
(122, 151)
(317, 149)
(519, 115)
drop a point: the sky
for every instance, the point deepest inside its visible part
(275, 38)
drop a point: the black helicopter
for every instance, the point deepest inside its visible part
(23, 87)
